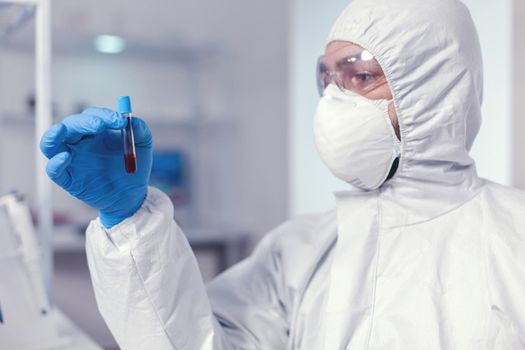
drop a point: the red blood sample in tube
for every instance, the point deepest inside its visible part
(128, 139)
(131, 163)
(128, 142)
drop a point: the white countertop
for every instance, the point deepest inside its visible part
(74, 338)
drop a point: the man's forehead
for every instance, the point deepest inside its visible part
(350, 48)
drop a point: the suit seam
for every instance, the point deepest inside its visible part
(485, 266)
(376, 268)
(150, 301)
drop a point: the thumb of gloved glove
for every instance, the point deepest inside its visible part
(86, 159)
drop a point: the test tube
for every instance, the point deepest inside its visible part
(128, 140)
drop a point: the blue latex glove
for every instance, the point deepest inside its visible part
(86, 159)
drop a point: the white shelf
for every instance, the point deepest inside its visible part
(191, 123)
(68, 239)
(154, 123)
(23, 119)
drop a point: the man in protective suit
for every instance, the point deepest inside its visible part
(420, 254)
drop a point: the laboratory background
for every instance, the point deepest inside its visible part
(228, 89)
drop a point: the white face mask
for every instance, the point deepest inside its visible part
(355, 137)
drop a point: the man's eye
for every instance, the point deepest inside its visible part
(364, 77)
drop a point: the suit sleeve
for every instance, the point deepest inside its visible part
(150, 292)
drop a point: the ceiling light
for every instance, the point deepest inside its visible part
(109, 44)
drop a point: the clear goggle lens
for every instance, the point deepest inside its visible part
(350, 68)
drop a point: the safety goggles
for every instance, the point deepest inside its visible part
(350, 68)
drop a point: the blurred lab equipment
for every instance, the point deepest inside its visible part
(27, 320)
(128, 140)
(169, 174)
(22, 225)
(26, 317)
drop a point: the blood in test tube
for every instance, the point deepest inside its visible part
(128, 139)
(130, 161)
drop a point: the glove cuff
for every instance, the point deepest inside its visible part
(110, 220)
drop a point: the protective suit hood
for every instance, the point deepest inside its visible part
(433, 65)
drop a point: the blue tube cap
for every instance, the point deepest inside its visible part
(124, 104)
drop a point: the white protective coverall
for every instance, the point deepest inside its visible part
(434, 259)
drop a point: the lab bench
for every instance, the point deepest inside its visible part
(74, 338)
(228, 246)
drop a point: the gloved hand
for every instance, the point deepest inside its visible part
(86, 159)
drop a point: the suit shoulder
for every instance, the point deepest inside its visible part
(505, 197)
(504, 210)
(308, 229)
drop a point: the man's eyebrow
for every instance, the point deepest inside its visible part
(347, 60)
(355, 60)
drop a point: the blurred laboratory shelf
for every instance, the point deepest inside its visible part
(74, 337)
(207, 122)
(81, 45)
(229, 245)
(68, 238)
(154, 121)
(17, 119)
